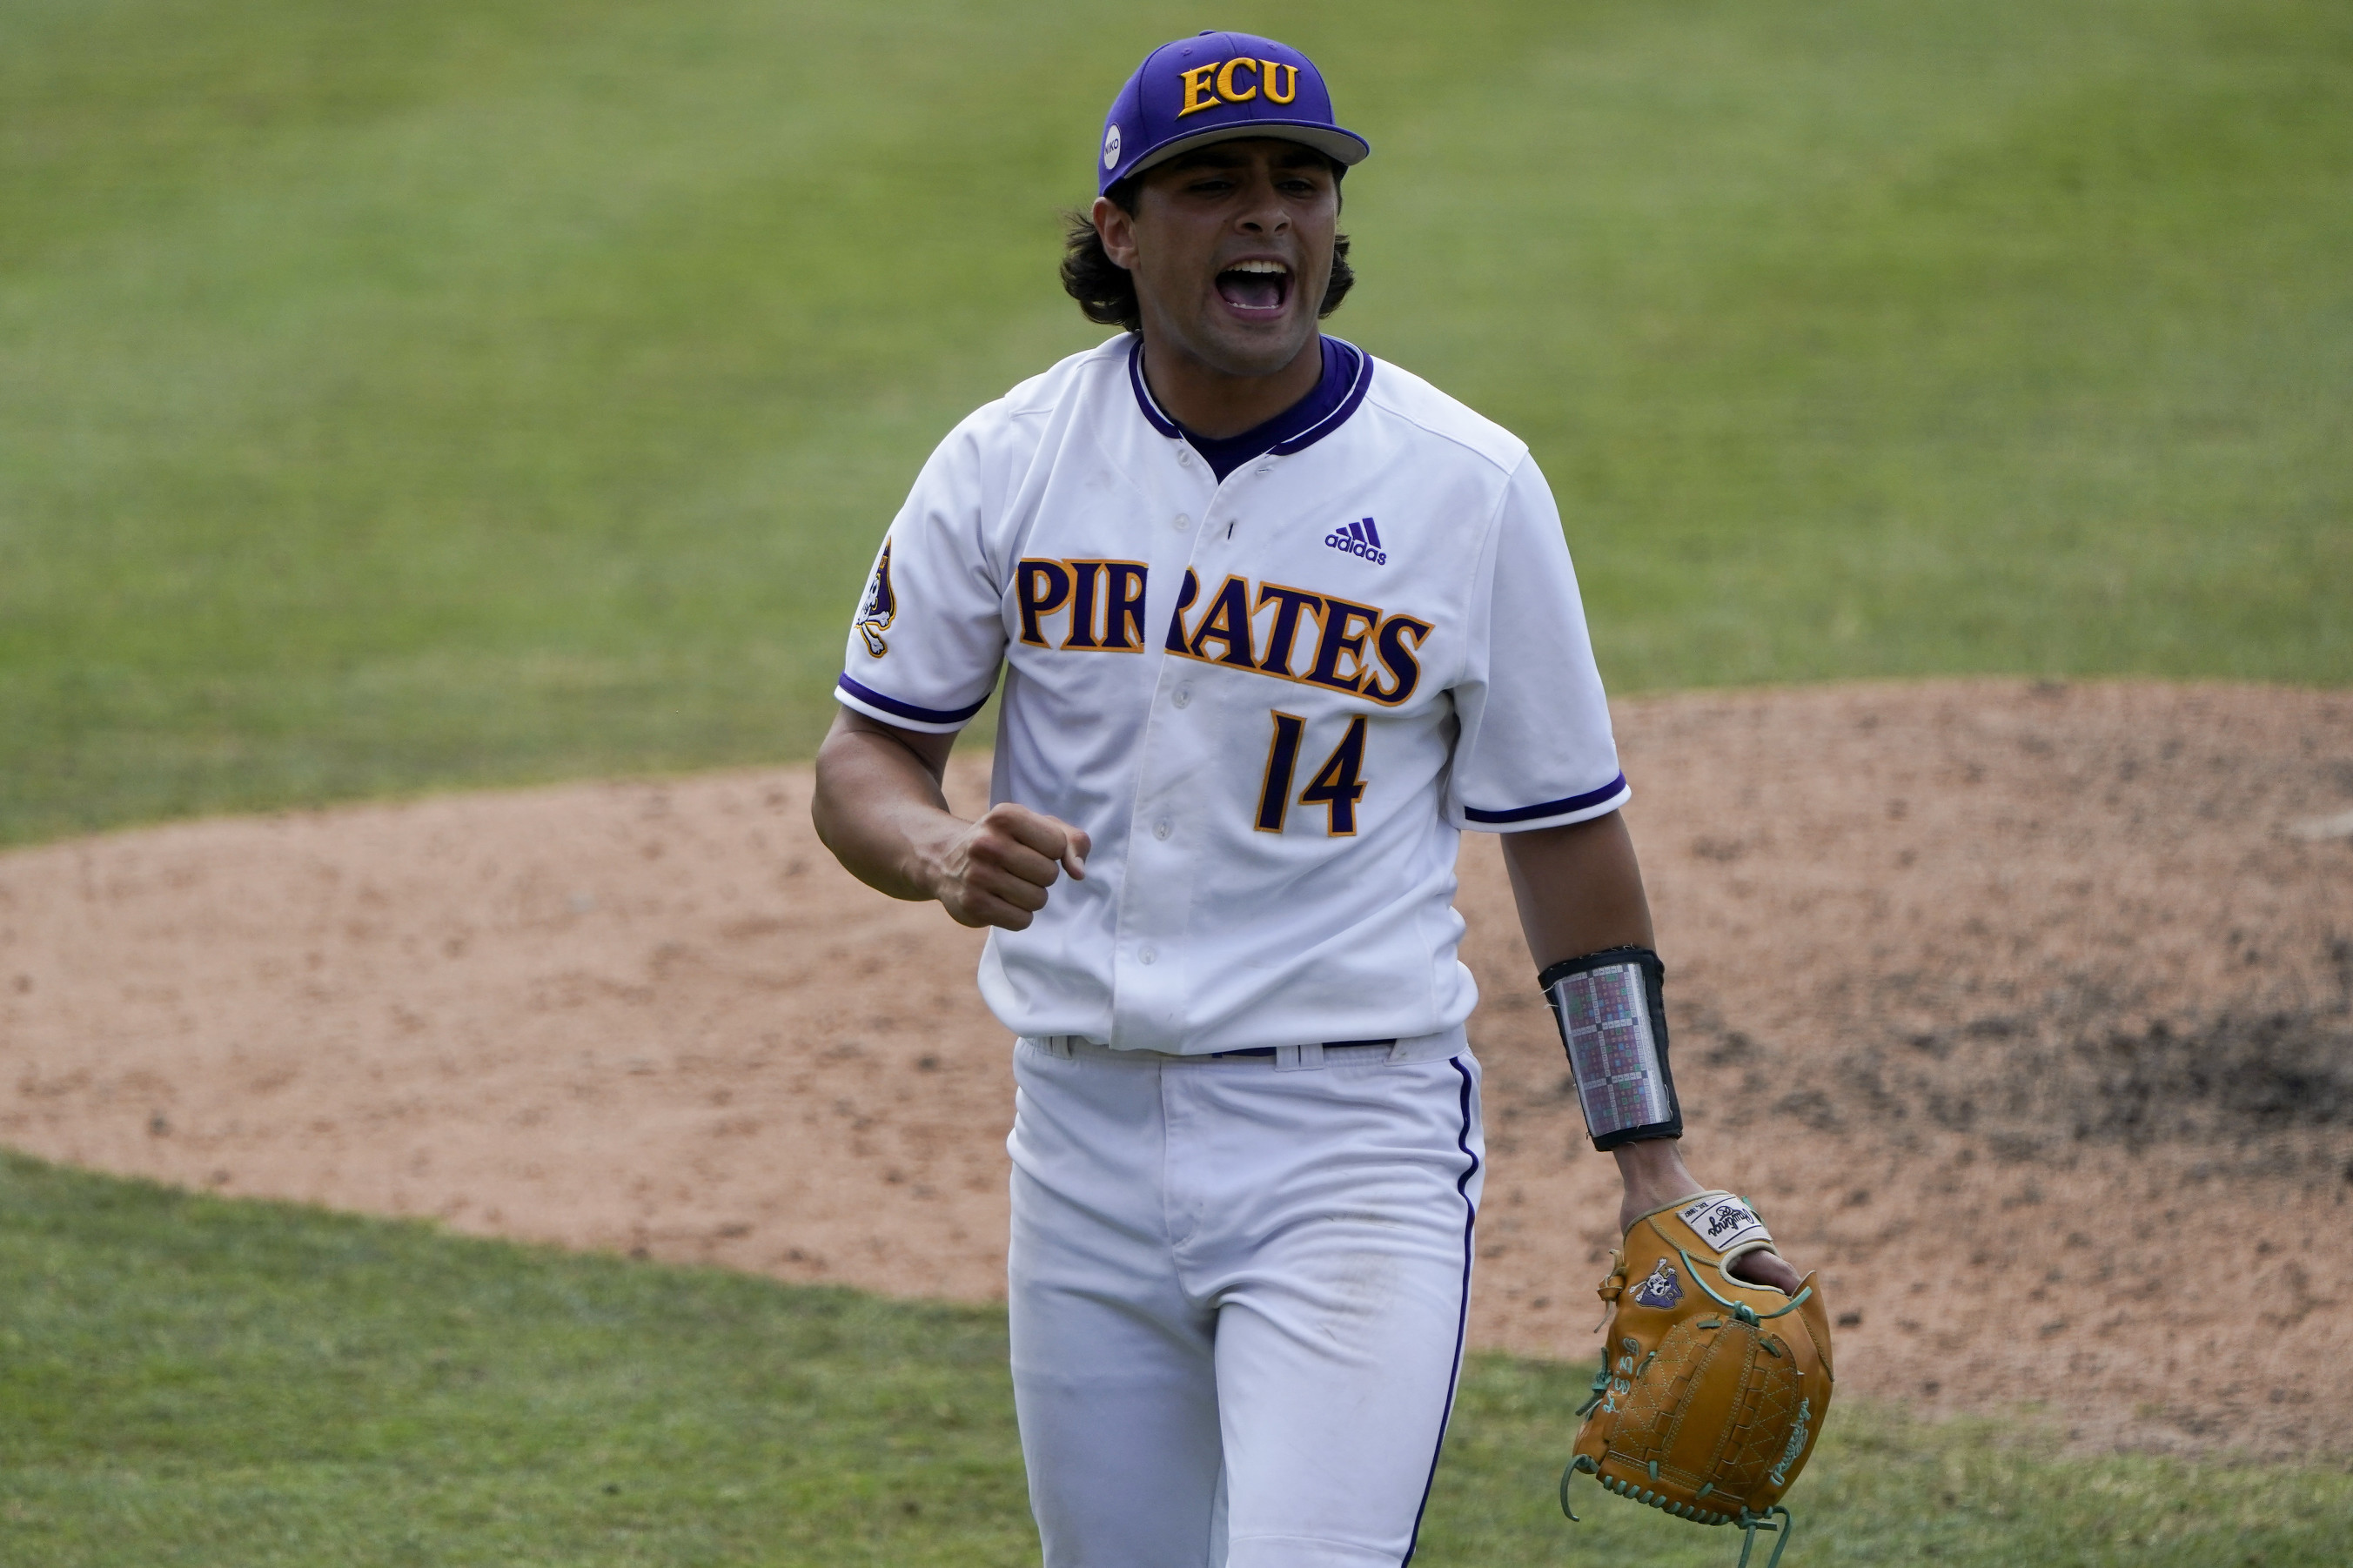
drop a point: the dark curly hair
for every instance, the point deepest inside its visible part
(1106, 291)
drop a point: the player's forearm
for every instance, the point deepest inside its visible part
(1655, 1176)
(1579, 889)
(878, 806)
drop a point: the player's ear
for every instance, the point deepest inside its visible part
(1115, 225)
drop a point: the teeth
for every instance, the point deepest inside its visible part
(1274, 267)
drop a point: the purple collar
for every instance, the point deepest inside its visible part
(1347, 375)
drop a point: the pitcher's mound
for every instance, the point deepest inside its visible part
(2024, 1013)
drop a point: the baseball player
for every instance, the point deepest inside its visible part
(1276, 621)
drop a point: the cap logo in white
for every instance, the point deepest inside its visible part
(1111, 147)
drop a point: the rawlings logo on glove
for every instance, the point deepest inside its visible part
(1714, 1390)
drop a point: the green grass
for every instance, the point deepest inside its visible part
(187, 1380)
(406, 393)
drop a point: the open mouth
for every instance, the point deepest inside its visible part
(1255, 288)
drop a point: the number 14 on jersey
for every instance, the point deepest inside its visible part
(1337, 785)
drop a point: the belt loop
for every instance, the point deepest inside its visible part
(1397, 1051)
(1294, 1059)
(1057, 1046)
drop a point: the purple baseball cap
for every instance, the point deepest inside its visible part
(1218, 87)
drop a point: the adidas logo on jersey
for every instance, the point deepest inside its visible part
(1359, 538)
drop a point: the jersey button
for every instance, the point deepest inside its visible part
(1182, 522)
(1160, 830)
(1145, 955)
(1184, 695)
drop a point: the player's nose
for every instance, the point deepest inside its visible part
(1263, 210)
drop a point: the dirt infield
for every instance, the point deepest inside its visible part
(2024, 1012)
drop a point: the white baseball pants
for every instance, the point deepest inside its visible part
(1238, 1289)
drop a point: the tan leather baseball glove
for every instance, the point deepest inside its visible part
(1712, 1392)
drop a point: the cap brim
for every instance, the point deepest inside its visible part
(1345, 147)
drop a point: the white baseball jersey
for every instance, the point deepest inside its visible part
(1271, 702)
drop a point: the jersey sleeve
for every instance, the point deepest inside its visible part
(1535, 748)
(929, 633)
